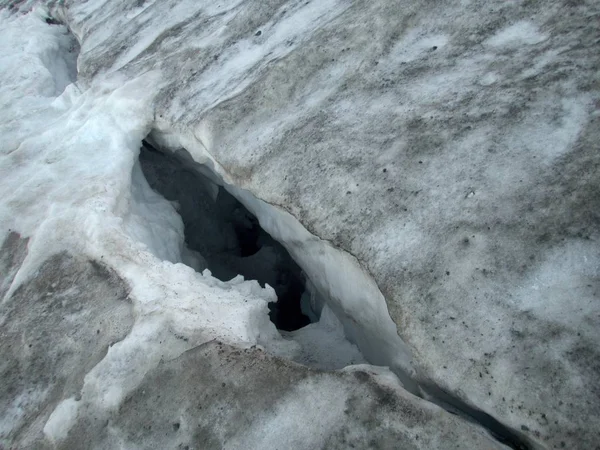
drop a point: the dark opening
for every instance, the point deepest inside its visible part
(223, 236)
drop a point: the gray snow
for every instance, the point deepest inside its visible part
(432, 167)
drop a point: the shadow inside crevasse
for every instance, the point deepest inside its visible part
(223, 236)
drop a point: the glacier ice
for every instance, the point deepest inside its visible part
(431, 168)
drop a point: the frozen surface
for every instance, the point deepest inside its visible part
(324, 344)
(61, 420)
(435, 165)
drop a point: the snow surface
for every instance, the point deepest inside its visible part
(460, 182)
(77, 186)
(324, 344)
(61, 420)
(521, 33)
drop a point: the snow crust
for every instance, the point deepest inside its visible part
(61, 420)
(324, 344)
(463, 179)
(521, 33)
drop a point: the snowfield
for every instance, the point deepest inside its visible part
(431, 169)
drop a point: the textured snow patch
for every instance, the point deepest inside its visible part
(61, 420)
(151, 34)
(550, 138)
(570, 269)
(520, 33)
(48, 52)
(308, 403)
(324, 345)
(16, 410)
(488, 79)
(416, 45)
(240, 64)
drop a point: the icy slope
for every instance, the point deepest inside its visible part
(106, 339)
(449, 148)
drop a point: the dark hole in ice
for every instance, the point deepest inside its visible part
(223, 236)
(226, 238)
